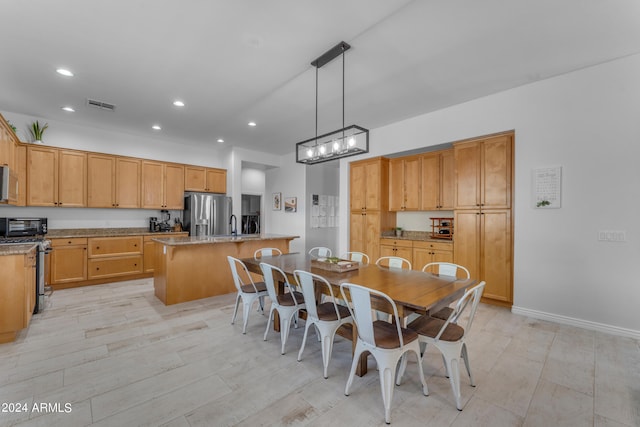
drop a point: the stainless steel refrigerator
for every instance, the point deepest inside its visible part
(207, 214)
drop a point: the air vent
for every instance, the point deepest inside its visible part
(101, 105)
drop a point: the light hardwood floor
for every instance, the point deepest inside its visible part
(119, 357)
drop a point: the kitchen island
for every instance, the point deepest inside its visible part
(191, 268)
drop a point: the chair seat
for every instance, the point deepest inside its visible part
(386, 335)
(249, 289)
(443, 313)
(327, 312)
(430, 327)
(287, 299)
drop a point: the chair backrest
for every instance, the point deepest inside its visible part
(359, 297)
(307, 281)
(238, 271)
(395, 262)
(447, 269)
(472, 296)
(356, 256)
(267, 252)
(320, 251)
(268, 272)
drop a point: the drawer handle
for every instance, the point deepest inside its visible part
(97, 268)
(97, 247)
(135, 245)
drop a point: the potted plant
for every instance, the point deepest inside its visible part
(37, 131)
(398, 231)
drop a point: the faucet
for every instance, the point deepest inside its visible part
(234, 220)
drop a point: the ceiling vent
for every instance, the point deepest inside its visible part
(101, 105)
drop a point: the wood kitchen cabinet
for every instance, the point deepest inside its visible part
(209, 180)
(438, 179)
(162, 185)
(425, 252)
(404, 183)
(17, 286)
(113, 181)
(369, 205)
(56, 177)
(398, 248)
(114, 256)
(68, 260)
(484, 173)
(8, 141)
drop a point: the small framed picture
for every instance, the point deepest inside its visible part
(277, 201)
(291, 204)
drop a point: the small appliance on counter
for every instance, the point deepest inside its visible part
(164, 223)
(153, 224)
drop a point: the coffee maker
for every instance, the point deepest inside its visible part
(153, 224)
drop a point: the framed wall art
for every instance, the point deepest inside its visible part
(276, 201)
(291, 204)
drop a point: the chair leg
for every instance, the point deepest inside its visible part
(261, 306)
(402, 368)
(266, 331)
(327, 348)
(235, 309)
(465, 356)
(354, 365)
(454, 379)
(246, 307)
(304, 339)
(387, 371)
(285, 325)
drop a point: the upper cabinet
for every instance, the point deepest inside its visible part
(404, 184)
(162, 185)
(8, 141)
(56, 177)
(366, 184)
(113, 182)
(208, 180)
(437, 177)
(484, 173)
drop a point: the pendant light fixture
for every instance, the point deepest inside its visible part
(344, 142)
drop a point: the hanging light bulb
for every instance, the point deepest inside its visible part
(310, 152)
(336, 146)
(352, 142)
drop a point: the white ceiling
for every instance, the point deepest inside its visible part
(232, 61)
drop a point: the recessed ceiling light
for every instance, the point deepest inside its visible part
(252, 124)
(68, 109)
(64, 72)
(178, 103)
(156, 127)
(220, 140)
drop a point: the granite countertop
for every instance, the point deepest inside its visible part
(16, 248)
(424, 236)
(207, 240)
(104, 232)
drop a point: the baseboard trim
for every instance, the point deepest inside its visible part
(585, 324)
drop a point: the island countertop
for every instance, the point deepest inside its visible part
(207, 240)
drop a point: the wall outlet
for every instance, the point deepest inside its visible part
(612, 236)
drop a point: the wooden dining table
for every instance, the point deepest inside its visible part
(412, 291)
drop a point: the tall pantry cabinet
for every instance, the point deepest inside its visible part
(482, 215)
(369, 205)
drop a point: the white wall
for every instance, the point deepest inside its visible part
(323, 178)
(588, 123)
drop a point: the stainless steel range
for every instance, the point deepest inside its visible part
(15, 231)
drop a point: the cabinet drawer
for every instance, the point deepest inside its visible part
(441, 246)
(397, 242)
(112, 267)
(68, 242)
(110, 246)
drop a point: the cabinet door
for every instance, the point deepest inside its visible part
(467, 159)
(195, 178)
(12, 286)
(29, 286)
(356, 232)
(372, 235)
(100, 181)
(152, 185)
(357, 185)
(68, 264)
(149, 256)
(72, 179)
(421, 257)
(174, 187)
(496, 260)
(217, 181)
(430, 177)
(447, 180)
(396, 185)
(373, 185)
(127, 183)
(42, 172)
(496, 173)
(466, 249)
(385, 250)
(412, 184)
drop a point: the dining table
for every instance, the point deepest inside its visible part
(412, 291)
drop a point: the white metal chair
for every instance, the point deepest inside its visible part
(326, 316)
(446, 269)
(287, 304)
(450, 338)
(248, 292)
(394, 262)
(320, 252)
(386, 342)
(360, 257)
(267, 252)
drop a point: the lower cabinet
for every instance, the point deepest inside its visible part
(17, 287)
(114, 256)
(427, 252)
(398, 248)
(68, 260)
